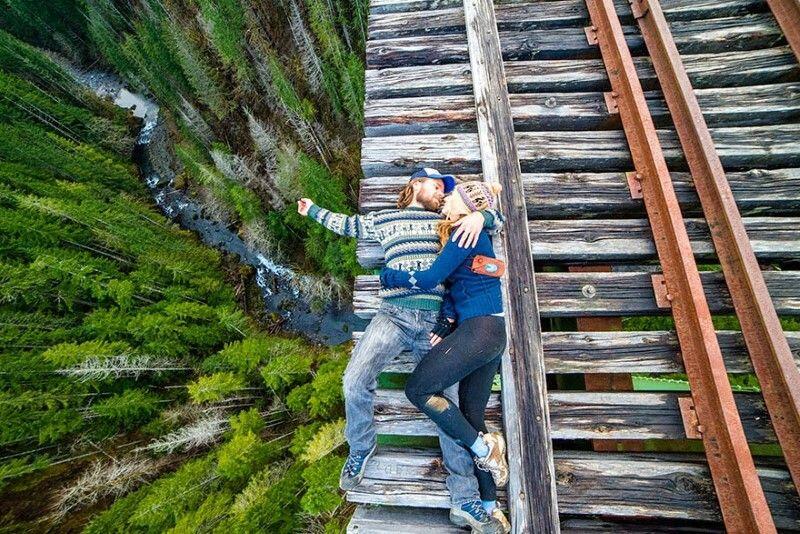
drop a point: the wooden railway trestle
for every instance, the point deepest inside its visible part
(612, 165)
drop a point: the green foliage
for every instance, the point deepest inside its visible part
(298, 398)
(272, 508)
(94, 275)
(248, 354)
(21, 59)
(302, 437)
(25, 102)
(322, 483)
(212, 388)
(128, 409)
(328, 438)
(115, 519)
(225, 20)
(18, 467)
(171, 496)
(327, 394)
(69, 354)
(286, 370)
(206, 517)
(247, 421)
(243, 456)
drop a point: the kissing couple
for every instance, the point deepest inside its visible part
(440, 301)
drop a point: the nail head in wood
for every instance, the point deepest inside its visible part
(634, 180)
(662, 296)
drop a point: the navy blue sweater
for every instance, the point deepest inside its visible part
(472, 294)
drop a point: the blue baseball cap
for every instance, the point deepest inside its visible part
(426, 172)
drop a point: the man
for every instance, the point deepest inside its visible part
(404, 321)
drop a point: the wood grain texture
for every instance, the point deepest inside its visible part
(599, 151)
(531, 482)
(571, 195)
(616, 485)
(623, 352)
(736, 106)
(613, 294)
(724, 69)
(748, 32)
(583, 415)
(522, 16)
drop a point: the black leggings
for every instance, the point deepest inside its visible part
(470, 356)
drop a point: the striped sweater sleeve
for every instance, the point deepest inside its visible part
(361, 226)
(494, 221)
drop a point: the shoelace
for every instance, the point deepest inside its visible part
(353, 464)
(476, 510)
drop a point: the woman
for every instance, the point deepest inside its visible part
(468, 341)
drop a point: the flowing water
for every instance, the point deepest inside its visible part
(281, 286)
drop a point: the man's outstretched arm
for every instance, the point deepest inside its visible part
(360, 226)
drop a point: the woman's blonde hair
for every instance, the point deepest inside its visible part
(480, 197)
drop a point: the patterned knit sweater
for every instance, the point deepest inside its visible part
(409, 241)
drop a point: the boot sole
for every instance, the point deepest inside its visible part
(461, 521)
(502, 446)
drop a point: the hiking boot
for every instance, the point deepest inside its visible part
(354, 467)
(471, 514)
(500, 517)
(494, 462)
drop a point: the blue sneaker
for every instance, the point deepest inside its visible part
(354, 467)
(472, 514)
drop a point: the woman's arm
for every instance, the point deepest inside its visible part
(448, 261)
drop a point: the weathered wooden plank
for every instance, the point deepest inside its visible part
(679, 8)
(601, 151)
(747, 32)
(622, 352)
(734, 106)
(596, 195)
(612, 294)
(523, 16)
(639, 526)
(737, 68)
(583, 415)
(404, 520)
(610, 484)
(532, 478)
(400, 520)
(627, 240)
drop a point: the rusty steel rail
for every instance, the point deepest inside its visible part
(787, 13)
(772, 358)
(741, 498)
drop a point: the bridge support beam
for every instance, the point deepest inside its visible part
(532, 485)
(742, 500)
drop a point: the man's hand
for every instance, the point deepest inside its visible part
(303, 205)
(441, 330)
(469, 228)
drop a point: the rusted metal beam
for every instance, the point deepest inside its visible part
(787, 13)
(532, 496)
(742, 501)
(772, 359)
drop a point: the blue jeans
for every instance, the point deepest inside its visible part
(393, 330)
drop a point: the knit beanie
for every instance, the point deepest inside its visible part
(479, 196)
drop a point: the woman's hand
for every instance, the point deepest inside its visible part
(444, 326)
(468, 229)
(303, 206)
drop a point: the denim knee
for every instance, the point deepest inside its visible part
(413, 394)
(354, 383)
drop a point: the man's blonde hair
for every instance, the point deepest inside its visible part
(407, 194)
